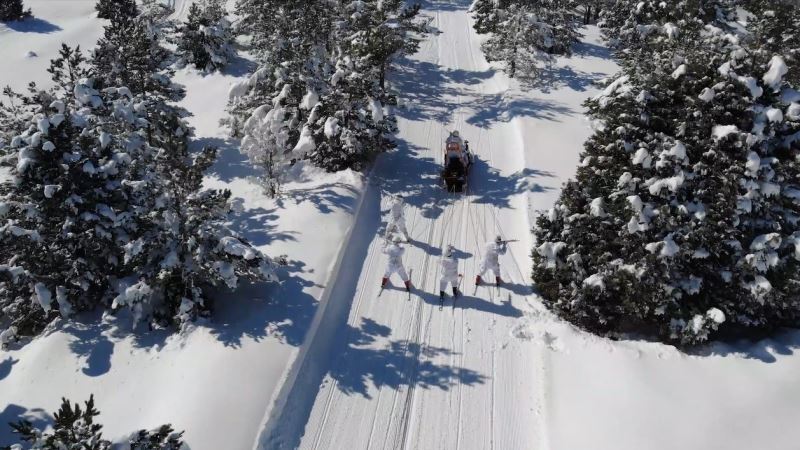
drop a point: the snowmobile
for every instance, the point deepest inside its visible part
(457, 162)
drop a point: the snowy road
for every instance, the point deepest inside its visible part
(401, 373)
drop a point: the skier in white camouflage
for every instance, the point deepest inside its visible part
(450, 273)
(397, 219)
(491, 260)
(394, 265)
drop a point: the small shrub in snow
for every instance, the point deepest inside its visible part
(11, 10)
(205, 40)
(684, 218)
(75, 428)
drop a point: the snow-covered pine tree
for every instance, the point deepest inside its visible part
(326, 101)
(350, 123)
(116, 10)
(636, 28)
(67, 214)
(185, 245)
(11, 10)
(205, 40)
(487, 14)
(130, 55)
(529, 33)
(76, 428)
(73, 428)
(682, 219)
(775, 27)
(14, 116)
(162, 438)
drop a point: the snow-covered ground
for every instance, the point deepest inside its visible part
(498, 370)
(322, 362)
(218, 380)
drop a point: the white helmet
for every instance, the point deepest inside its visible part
(448, 251)
(397, 240)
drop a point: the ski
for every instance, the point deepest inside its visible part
(441, 303)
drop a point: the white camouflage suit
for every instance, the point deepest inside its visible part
(397, 219)
(491, 259)
(449, 272)
(395, 263)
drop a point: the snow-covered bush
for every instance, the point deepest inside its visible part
(775, 28)
(13, 10)
(116, 10)
(185, 245)
(161, 438)
(75, 428)
(637, 28)
(523, 35)
(683, 217)
(320, 93)
(107, 207)
(205, 40)
(65, 212)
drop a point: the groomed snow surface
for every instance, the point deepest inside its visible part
(322, 362)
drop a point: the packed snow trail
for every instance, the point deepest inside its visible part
(405, 374)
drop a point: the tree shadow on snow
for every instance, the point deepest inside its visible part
(327, 197)
(257, 225)
(231, 164)
(5, 367)
(553, 78)
(393, 169)
(490, 187)
(89, 342)
(371, 357)
(588, 50)
(240, 66)
(259, 310)
(783, 343)
(502, 108)
(33, 25)
(430, 91)
(14, 413)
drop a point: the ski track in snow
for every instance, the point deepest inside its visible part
(405, 375)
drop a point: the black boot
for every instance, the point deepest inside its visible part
(455, 292)
(441, 295)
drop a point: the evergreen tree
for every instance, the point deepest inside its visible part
(775, 29)
(525, 34)
(320, 95)
(184, 245)
(205, 40)
(681, 219)
(639, 28)
(74, 428)
(487, 14)
(162, 438)
(11, 10)
(130, 55)
(66, 212)
(116, 10)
